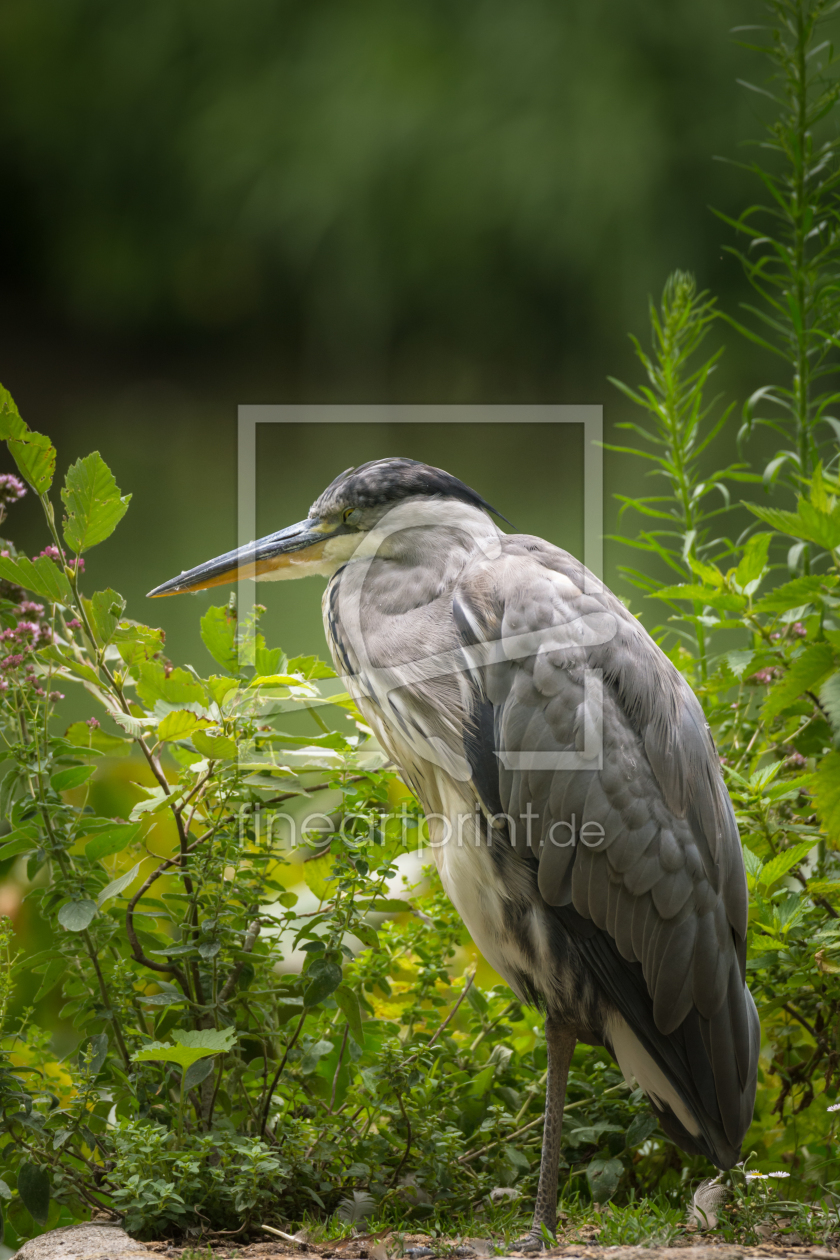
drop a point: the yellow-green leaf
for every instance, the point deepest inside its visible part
(93, 503)
(214, 746)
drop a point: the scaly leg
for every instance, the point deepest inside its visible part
(560, 1041)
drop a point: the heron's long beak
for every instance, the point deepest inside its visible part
(298, 547)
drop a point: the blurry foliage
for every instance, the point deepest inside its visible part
(480, 181)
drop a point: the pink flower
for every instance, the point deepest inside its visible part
(11, 662)
(74, 624)
(55, 696)
(92, 722)
(765, 676)
(4, 685)
(11, 488)
(78, 565)
(39, 691)
(30, 608)
(796, 759)
(51, 552)
(27, 629)
(798, 629)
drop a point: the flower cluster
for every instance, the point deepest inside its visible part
(52, 553)
(11, 488)
(766, 676)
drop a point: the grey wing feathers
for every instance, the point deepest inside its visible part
(665, 883)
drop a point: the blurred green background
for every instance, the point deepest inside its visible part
(206, 204)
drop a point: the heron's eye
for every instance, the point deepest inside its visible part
(351, 516)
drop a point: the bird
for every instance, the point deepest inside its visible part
(575, 804)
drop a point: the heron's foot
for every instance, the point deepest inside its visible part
(532, 1243)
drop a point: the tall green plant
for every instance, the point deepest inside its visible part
(676, 441)
(793, 257)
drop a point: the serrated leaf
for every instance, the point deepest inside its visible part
(753, 560)
(808, 523)
(75, 916)
(216, 747)
(826, 789)
(35, 456)
(104, 609)
(72, 777)
(92, 501)
(806, 673)
(218, 634)
(118, 885)
(189, 1047)
(179, 687)
(33, 1186)
(803, 590)
(111, 841)
(42, 576)
(178, 724)
(136, 643)
(783, 862)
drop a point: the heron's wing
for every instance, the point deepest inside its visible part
(653, 886)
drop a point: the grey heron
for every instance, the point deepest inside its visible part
(577, 812)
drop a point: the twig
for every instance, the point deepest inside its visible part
(247, 945)
(338, 1065)
(449, 1017)
(468, 1156)
(407, 1150)
(277, 1074)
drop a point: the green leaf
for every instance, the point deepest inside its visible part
(72, 777)
(197, 1072)
(806, 673)
(218, 633)
(723, 600)
(11, 848)
(830, 701)
(316, 873)
(641, 1127)
(75, 916)
(33, 1185)
(34, 455)
(603, 1176)
(178, 688)
(214, 746)
(808, 524)
(117, 886)
(178, 724)
(803, 590)
(97, 740)
(190, 1046)
(784, 862)
(53, 973)
(18, 841)
(114, 840)
(324, 978)
(66, 660)
(42, 576)
(826, 789)
(104, 610)
(753, 562)
(266, 660)
(136, 643)
(92, 501)
(348, 1004)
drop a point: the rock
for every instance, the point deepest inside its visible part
(83, 1242)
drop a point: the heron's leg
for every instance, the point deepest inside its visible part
(560, 1041)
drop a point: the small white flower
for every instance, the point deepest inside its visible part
(836, 1107)
(756, 1176)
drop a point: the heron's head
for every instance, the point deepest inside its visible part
(352, 509)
